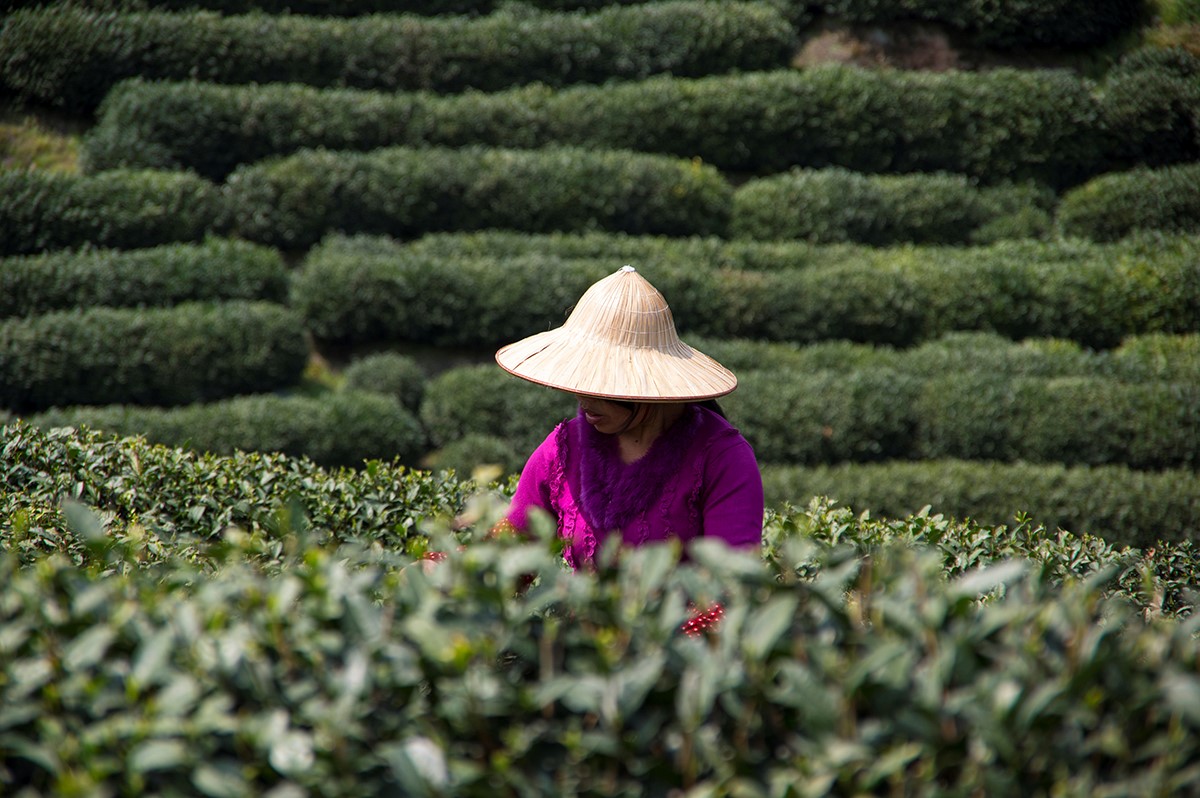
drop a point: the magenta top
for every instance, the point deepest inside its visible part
(699, 479)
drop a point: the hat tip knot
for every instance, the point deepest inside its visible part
(627, 268)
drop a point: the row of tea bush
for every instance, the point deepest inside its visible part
(70, 57)
(878, 414)
(1005, 124)
(959, 399)
(367, 289)
(1001, 24)
(194, 352)
(371, 290)
(293, 202)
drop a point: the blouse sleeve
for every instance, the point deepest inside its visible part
(732, 498)
(533, 487)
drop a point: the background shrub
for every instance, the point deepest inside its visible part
(218, 269)
(1152, 108)
(189, 353)
(340, 429)
(473, 452)
(837, 205)
(1002, 125)
(1116, 205)
(121, 209)
(1125, 506)
(483, 400)
(1011, 24)
(366, 289)
(294, 201)
(388, 373)
(70, 57)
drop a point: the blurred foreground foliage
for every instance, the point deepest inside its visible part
(255, 625)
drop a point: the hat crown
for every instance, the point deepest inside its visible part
(619, 342)
(624, 309)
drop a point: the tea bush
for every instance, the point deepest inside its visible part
(862, 657)
(1122, 505)
(217, 269)
(154, 356)
(190, 498)
(341, 429)
(364, 289)
(878, 413)
(293, 202)
(1152, 97)
(120, 209)
(483, 400)
(71, 57)
(837, 205)
(1116, 205)
(388, 373)
(1010, 24)
(994, 126)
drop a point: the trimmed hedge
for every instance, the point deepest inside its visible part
(1153, 99)
(1124, 506)
(364, 289)
(1139, 358)
(70, 57)
(391, 373)
(121, 209)
(1116, 205)
(996, 126)
(1009, 24)
(293, 202)
(472, 401)
(877, 414)
(823, 418)
(339, 8)
(341, 429)
(167, 275)
(172, 356)
(836, 205)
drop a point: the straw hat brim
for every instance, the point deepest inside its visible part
(573, 361)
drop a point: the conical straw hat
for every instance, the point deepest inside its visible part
(619, 343)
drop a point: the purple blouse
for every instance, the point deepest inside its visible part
(699, 478)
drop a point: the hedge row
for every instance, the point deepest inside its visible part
(1139, 358)
(71, 57)
(1123, 506)
(333, 672)
(1113, 206)
(405, 192)
(1007, 24)
(341, 429)
(121, 209)
(159, 356)
(370, 289)
(293, 202)
(836, 205)
(1000, 125)
(171, 274)
(820, 418)
(350, 8)
(824, 418)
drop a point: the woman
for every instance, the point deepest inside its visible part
(649, 455)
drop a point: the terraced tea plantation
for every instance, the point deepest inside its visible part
(247, 312)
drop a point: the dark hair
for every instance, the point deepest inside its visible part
(714, 406)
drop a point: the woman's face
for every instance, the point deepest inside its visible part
(607, 416)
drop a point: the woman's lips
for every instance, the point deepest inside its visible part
(591, 418)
